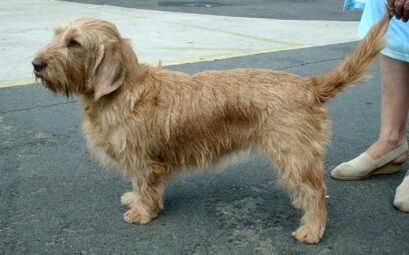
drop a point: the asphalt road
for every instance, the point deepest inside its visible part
(56, 199)
(270, 9)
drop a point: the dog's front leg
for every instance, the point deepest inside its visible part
(145, 200)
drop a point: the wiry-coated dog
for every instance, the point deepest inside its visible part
(153, 123)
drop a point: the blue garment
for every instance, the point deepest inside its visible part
(397, 35)
(354, 4)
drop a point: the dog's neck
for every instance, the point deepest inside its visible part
(135, 80)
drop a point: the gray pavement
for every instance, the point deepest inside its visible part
(270, 9)
(56, 199)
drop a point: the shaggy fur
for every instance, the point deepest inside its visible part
(153, 123)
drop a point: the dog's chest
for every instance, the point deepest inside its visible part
(105, 143)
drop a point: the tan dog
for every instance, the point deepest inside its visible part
(153, 123)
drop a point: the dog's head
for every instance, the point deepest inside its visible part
(86, 56)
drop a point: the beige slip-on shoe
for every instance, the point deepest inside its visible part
(364, 165)
(401, 200)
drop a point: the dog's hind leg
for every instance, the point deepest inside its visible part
(145, 200)
(310, 198)
(300, 171)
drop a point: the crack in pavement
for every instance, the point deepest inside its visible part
(36, 107)
(312, 63)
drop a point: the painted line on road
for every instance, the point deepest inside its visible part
(18, 82)
(224, 56)
(242, 53)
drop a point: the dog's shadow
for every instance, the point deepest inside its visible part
(243, 197)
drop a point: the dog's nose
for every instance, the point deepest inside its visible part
(38, 65)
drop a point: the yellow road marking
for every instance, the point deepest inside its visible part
(190, 60)
(18, 82)
(226, 55)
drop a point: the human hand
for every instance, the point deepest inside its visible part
(399, 8)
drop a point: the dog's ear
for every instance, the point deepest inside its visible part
(108, 73)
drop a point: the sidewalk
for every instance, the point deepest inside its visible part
(173, 38)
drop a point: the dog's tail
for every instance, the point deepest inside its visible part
(353, 67)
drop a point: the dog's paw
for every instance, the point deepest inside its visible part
(308, 234)
(138, 215)
(128, 199)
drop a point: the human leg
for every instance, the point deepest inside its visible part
(391, 142)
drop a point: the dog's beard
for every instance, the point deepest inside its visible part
(41, 79)
(53, 84)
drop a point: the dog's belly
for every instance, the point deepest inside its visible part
(223, 162)
(233, 159)
(201, 151)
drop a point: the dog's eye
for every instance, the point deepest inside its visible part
(73, 43)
